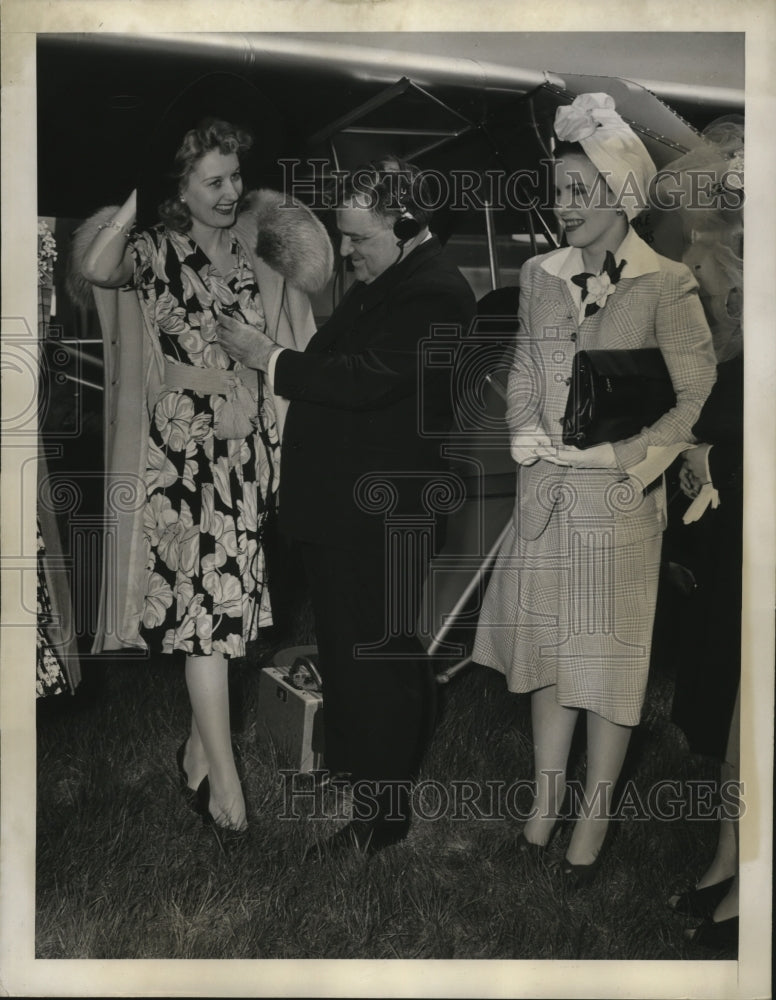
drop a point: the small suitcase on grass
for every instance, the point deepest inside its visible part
(290, 707)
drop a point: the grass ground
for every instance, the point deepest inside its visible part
(125, 870)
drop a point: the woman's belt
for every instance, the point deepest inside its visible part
(236, 415)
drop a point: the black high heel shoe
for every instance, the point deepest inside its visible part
(202, 801)
(700, 902)
(525, 848)
(581, 876)
(719, 935)
(227, 836)
(188, 793)
(536, 852)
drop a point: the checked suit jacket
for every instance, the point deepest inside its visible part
(654, 304)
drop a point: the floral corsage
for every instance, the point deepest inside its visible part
(596, 288)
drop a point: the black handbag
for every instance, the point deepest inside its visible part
(614, 394)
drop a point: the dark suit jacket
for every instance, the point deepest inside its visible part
(708, 643)
(363, 400)
(721, 424)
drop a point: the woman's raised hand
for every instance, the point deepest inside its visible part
(131, 203)
(107, 261)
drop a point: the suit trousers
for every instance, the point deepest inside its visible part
(378, 703)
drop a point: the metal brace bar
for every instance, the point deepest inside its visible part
(353, 116)
(83, 381)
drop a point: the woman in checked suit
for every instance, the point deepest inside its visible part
(569, 609)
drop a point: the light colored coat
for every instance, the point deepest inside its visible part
(292, 257)
(655, 304)
(571, 599)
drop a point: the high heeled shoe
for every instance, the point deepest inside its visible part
(525, 848)
(700, 902)
(358, 837)
(536, 852)
(187, 791)
(717, 935)
(227, 836)
(202, 801)
(577, 877)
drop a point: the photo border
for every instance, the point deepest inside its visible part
(20, 973)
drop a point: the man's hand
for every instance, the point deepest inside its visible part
(694, 472)
(246, 344)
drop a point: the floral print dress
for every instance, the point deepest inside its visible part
(207, 498)
(50, 677)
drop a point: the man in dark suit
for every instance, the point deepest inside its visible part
(361, 446)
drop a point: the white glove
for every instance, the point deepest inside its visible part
(708, 495)
(695, 482)
(528, 446)
(600, 456)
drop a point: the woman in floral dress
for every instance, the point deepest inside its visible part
(210, 467)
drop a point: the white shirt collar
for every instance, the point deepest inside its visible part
(641, 259)
(566, 262)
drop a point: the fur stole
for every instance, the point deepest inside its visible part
(280, 230)
(76, 285)
(288, 237)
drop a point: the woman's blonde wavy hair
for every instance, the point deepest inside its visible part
(209, 134)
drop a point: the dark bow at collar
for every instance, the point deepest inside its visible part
(612, 270)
